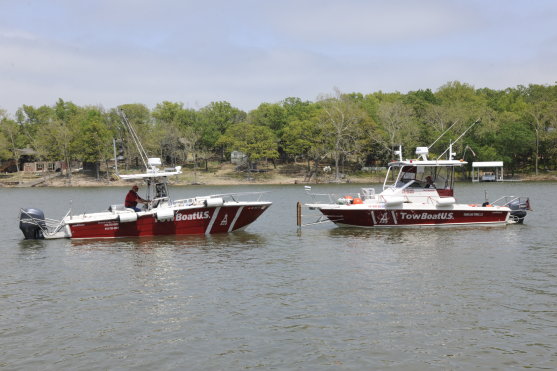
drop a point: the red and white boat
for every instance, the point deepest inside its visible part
(417, 192)
(219, 213)
(161, 216)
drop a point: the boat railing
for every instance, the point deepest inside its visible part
(367, 193)
(183, 202)
(347, 198)
(158, 201)
(513, 202)
(236, 197)
(332, 198)
(315, 196)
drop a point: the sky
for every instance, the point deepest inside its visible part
(248, 52)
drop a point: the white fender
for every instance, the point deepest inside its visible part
(393, 200)
(214, 202)
(446, 201)
(127, 217)
(165, 214)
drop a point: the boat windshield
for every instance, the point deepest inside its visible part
(161, 190)
(410, 176)
(157, 190)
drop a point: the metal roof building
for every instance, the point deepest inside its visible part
(487, 171)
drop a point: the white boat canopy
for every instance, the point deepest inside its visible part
(153, 171)
(496, 173)
(440, 163)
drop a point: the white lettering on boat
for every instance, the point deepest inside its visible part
(200, 215)
(111, 226)
(224, 220)
(426, 216)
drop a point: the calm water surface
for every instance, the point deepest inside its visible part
(270, 298)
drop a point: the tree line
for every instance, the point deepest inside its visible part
(518, 126)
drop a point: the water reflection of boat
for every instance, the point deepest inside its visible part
(161, 215)
(240, 240)
(421, 194)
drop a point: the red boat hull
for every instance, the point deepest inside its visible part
(187, 221)
(399, 217)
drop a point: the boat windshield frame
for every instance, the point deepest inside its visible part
(413, 174)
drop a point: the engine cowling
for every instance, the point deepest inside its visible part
(32, 223)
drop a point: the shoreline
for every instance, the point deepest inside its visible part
(88, 181)
(213, 179)
(223, 175)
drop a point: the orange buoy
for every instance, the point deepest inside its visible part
(357, 201)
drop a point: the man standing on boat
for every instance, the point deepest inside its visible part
(132, 198)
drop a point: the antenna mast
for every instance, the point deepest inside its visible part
(440, 136)
(135, 138)
(450, 148)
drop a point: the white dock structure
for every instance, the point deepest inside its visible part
(487, 171)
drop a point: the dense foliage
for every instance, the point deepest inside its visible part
(518, 126)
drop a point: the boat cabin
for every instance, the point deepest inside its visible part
(421, 173)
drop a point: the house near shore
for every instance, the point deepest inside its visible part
(41, 167)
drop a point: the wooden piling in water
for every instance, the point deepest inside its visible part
(299, 214)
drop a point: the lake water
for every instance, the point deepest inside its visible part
(456, 298)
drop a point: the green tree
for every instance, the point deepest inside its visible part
(55, 137)
(256, 142)
(11, 139)
(397, 124)
(168, 112)
(540, 107)
(342, 119)
(296, 109)
(222, 115)
(305, 138)
(513, 141)
(214, 120)
(273, 116)
(94, 139)
(5, 152)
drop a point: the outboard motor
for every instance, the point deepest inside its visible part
(32, 223)
(518, 208)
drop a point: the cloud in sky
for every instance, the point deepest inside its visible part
(249, 52)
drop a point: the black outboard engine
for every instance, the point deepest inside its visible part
(32, 223)
(518, 208)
